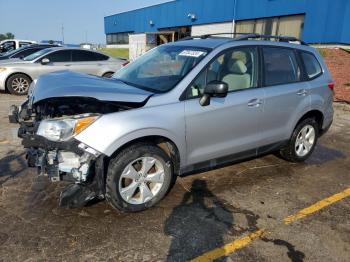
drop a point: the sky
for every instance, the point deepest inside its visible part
(81, 19)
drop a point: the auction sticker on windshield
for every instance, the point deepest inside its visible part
(192, 53)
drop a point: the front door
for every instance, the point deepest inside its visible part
(228, 126)
(58, 61)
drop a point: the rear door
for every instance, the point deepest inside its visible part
(88, 62)
(228, 126)
(286, 94)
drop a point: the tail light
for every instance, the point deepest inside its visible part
(331, 85)
(125, 64)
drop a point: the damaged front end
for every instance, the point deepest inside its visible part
(48, 129)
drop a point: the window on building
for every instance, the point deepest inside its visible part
(285, 25)
(117, 39)
(280, 66)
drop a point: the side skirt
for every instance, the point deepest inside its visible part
(231, 159)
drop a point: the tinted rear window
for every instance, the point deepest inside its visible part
(81, 55)
(312, 66)
(280, 66)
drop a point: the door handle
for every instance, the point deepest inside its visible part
(302, 92)
(254, 102)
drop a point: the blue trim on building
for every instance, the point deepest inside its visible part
(326, 21)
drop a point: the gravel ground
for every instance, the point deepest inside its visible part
(202, 212)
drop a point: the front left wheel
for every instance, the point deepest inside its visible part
(139, 177)
(18, 84)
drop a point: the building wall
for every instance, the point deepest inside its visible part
(198, 30)
(325, 20)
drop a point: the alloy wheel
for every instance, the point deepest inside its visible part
(141, 180)
(20, 85)
(305, 140)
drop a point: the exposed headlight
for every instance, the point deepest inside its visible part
(63, 129)
(2, 69)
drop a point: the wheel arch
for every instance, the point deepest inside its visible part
(316, 114)
(165, 143)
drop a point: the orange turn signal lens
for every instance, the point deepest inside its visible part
(83, 123)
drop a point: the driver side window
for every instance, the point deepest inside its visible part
(237, 67)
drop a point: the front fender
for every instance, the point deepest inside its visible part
(112, 131)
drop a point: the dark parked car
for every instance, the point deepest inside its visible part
(24, 51)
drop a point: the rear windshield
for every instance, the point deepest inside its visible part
(160, 69)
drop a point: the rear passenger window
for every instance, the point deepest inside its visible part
(280, 66)
(100, 57)
(83, 56)
(312, 66)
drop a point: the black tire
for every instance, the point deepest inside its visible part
(289, 151)
(107, 75)
(122, 160)
(18, 84)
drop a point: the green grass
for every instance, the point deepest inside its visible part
(116, 52)
(346, 49)
(322, 51)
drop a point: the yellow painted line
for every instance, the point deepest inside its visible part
(317, 206)
(244, 241)
(229, 248)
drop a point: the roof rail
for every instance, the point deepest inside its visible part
(280, 38)
(248, 36)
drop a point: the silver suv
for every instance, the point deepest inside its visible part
(181, 108)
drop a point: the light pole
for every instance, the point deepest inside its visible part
(62, 31)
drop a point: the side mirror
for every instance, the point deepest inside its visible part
(213, 89)
(45, 61)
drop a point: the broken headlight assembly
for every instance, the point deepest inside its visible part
(58, 130)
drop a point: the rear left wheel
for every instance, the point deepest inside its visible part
(18, 84)
(138, 178)
(303, 141)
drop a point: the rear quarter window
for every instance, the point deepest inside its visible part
(312, 66)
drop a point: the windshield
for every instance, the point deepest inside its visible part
(160, 69)
(37, 54)
(11, 52)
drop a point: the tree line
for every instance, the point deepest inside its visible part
(7, 36)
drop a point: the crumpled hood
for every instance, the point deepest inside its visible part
(72, 84)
